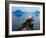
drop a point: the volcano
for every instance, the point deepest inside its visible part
(18, 13)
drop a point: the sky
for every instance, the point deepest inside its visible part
(26, 9)
(32, 11)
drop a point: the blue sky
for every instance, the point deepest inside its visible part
(26, 9)
(29, 11)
